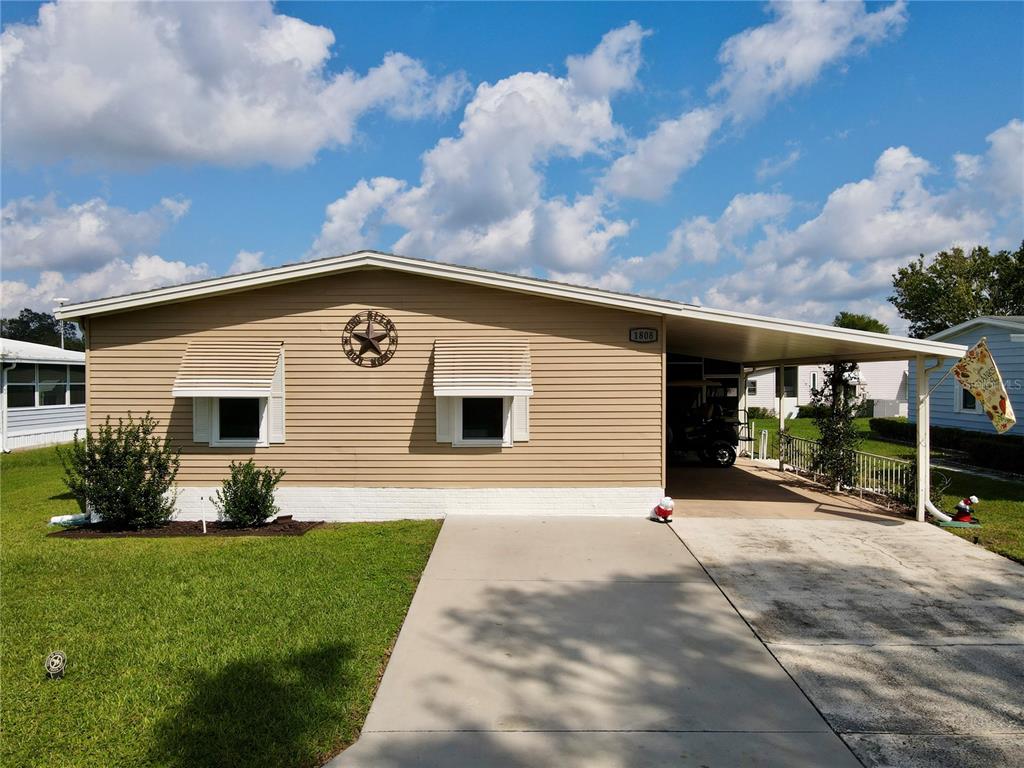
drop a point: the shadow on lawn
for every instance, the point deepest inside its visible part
(268, 712)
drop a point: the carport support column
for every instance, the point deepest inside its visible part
(923, 436)
(780, 390)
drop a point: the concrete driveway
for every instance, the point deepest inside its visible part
(582, 642)
(909, 640)
(810, 632)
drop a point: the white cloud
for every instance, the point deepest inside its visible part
(612, 66)
(40, 234)
(480, 198)
(771, 167)
(759, 66)
(246, 261)
(650, 170)
(844, 256)
(1000, 171)
(345, 228)
(113, 278)
(133, 84)
(766, 63)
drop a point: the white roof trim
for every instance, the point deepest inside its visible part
(1000, 322)
(15, 351)
(886, 345)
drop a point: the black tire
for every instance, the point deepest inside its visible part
(719, 454)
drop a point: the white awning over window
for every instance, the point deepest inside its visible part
(227, 368)
(482, 368)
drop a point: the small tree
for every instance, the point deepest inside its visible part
(123, 473)
(246, 498)
(836, 404)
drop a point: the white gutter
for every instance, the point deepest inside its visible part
(3, 406)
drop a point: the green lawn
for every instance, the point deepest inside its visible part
(191, 652)
(1001, 510)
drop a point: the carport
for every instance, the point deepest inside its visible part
(758, 343)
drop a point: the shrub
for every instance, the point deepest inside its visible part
(246, 498)
(123, 473)
(756, 412)
(990, 451)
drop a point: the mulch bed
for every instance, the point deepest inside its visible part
(282, 526)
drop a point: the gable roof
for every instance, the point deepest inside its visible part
(735, 336)
(1012, 322)
(12, 350)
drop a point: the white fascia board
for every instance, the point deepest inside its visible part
(533, 286)
(820, 331)
(302, 271)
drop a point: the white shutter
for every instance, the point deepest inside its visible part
(443, 417)
(520, 418)
(276, 403)
(201, 419)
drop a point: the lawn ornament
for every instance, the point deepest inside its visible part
(663, 512)
(55, 664)
(964, 510)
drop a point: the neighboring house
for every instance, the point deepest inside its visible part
(43, 394)
(390, 387)
(954, 406)
(884, 383)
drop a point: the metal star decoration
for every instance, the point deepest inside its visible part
(370, 338)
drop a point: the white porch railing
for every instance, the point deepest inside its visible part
(874, 474)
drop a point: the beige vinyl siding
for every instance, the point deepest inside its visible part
(595, 418)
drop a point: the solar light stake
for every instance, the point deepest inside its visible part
(55, 664)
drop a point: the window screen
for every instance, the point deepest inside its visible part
(77, 385)
(789, 382)
(53, 384)
(483, 418)
(239, 418)
(751, 386)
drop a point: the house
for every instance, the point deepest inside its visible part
(43, 394)
(885, 384)
(954, 406)
(387, 386)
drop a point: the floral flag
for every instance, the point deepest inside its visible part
(978, 374)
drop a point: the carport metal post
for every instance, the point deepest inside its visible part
(779, 392)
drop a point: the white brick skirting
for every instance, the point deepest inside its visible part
(342, 505)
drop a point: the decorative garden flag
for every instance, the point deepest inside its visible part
(978, 374)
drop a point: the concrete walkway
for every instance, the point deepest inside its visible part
(582, 642)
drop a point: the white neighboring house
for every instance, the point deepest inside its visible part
(43, 394)
(885, 383)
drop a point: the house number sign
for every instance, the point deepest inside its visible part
(369, 339)
(643, 335)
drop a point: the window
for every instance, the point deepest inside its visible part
(481, 421)
(240, 421)
(53, 384)
(814, 380)
(21, 387)
(31, 386)
(77, 385)
(752, 386)
(789, 381)
(483, 418)
(964, 401)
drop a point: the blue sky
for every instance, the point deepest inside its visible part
(772, 158)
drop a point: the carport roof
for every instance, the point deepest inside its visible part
(690, 329)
